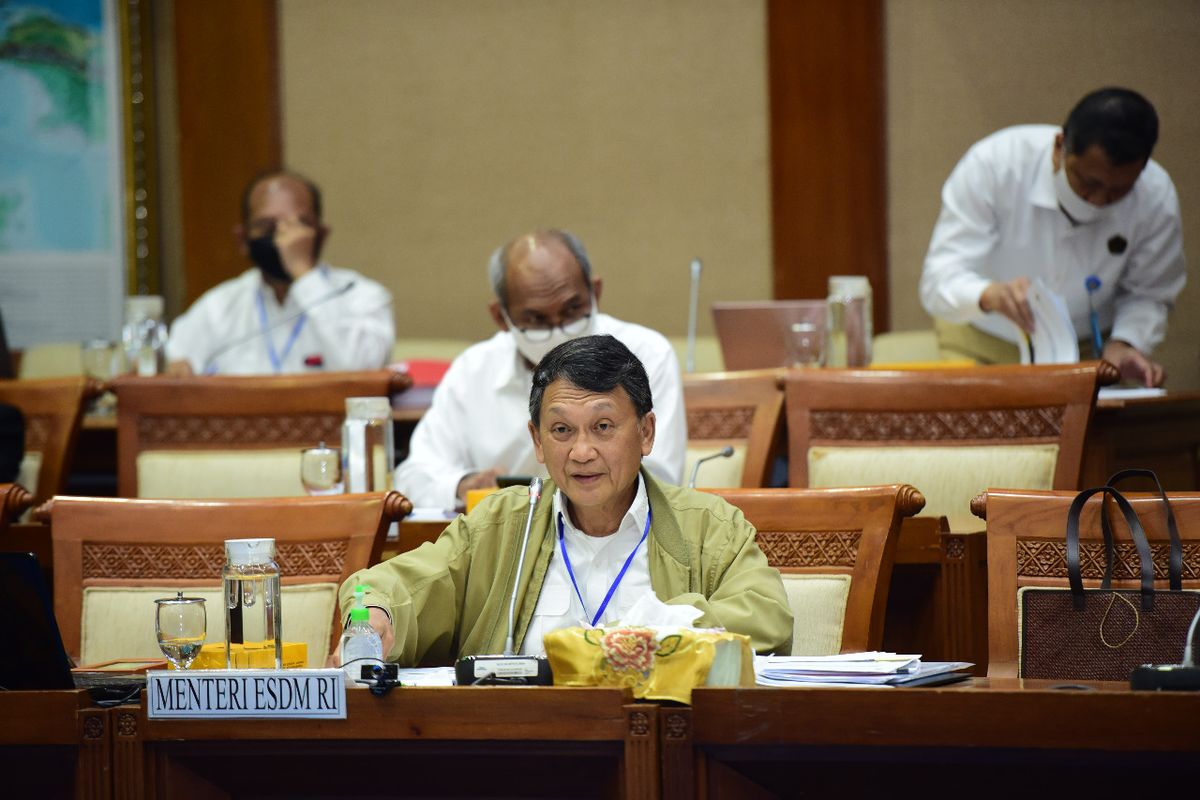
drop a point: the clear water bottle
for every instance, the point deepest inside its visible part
(144, 335)
(360, 646)
(849, 324)
(368, 448)
(252, 607)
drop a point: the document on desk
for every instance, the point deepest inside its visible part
(856, 669)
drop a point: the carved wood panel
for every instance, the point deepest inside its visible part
(1008, 423)
(1043, 559)
(250, 429)
(148, 562)
(810, 549)
(720, 423)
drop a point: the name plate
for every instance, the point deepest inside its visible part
(242, 693)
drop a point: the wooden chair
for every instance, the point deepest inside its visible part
(222, 436)
(835, 549)
(739, 409)
(113, 557)
(951, 433)
(13, 502)
(53, 409)
(1026, 546)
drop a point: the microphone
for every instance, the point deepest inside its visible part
(724, 452)
(1092, 283)
(535, 492)
(510, 667)
(290, 318)
(692, 309)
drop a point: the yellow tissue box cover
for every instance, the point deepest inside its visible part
(656, 665)
(212, 656)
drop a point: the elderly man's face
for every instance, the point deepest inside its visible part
(545, 286)
(592, 445)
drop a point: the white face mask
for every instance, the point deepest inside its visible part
(1079, 209)
(535, 351)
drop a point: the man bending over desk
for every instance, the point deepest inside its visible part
(604, 534)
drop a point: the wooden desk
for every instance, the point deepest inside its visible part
(54, 744)
(1158, 433)
(429, 742)
(997, 738)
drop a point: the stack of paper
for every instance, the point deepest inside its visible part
(1053, 340)
(861, 669)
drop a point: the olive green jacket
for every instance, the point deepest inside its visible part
(450, 598)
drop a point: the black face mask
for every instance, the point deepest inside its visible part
(265, 254)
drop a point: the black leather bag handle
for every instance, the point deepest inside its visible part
(1074, 572)
(1175, 557)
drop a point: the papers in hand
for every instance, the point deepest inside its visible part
(862, 669)
(1053, 340)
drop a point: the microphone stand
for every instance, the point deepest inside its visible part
(724, 452)
(509, 668)
(692, 311)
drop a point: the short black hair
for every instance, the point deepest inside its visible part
(1120, 120)
(595, 364)
(314, 191)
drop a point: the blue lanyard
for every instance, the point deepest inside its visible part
(277, 358)
(562, 543)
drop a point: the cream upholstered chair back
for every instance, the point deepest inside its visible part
(950, 432)
(113, 557)
(742, 410)
(835, 549)
(231, 436)
(1026, 546)
(53, 409)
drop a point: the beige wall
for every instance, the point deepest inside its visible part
(440, 129)
(960, 70)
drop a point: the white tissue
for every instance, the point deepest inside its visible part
(650, 612)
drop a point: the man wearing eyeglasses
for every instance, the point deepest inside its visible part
(475, 429)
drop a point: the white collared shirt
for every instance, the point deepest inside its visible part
(479, 416)
(596, 562)
(1000, 220)
(347, 325)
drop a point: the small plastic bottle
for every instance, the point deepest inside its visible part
(360, 644)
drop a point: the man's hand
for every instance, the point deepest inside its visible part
(180, 369)
(1010, 299)
(382, 625)
(1134, 365)
(296, 242)
(478, 480)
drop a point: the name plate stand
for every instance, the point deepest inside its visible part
(246, 694)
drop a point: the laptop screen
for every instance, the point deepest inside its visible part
(754, 334)
(32, 655)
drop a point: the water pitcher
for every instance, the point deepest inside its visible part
(252, 608)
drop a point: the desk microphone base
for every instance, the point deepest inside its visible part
(503, 670)
(1165, 678)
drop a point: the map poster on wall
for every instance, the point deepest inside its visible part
(62, 259)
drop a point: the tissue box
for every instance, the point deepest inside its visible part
(212, 656)
(656, 663)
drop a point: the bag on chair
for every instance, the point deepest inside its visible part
(1103, 634)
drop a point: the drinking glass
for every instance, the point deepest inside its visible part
(806, 347)
(321, 469)
(100, 362)
(181, 624)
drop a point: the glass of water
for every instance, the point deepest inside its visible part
(181, 624)
(806, 346)
(321, 469)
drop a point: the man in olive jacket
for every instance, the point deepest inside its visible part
(605, 533)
